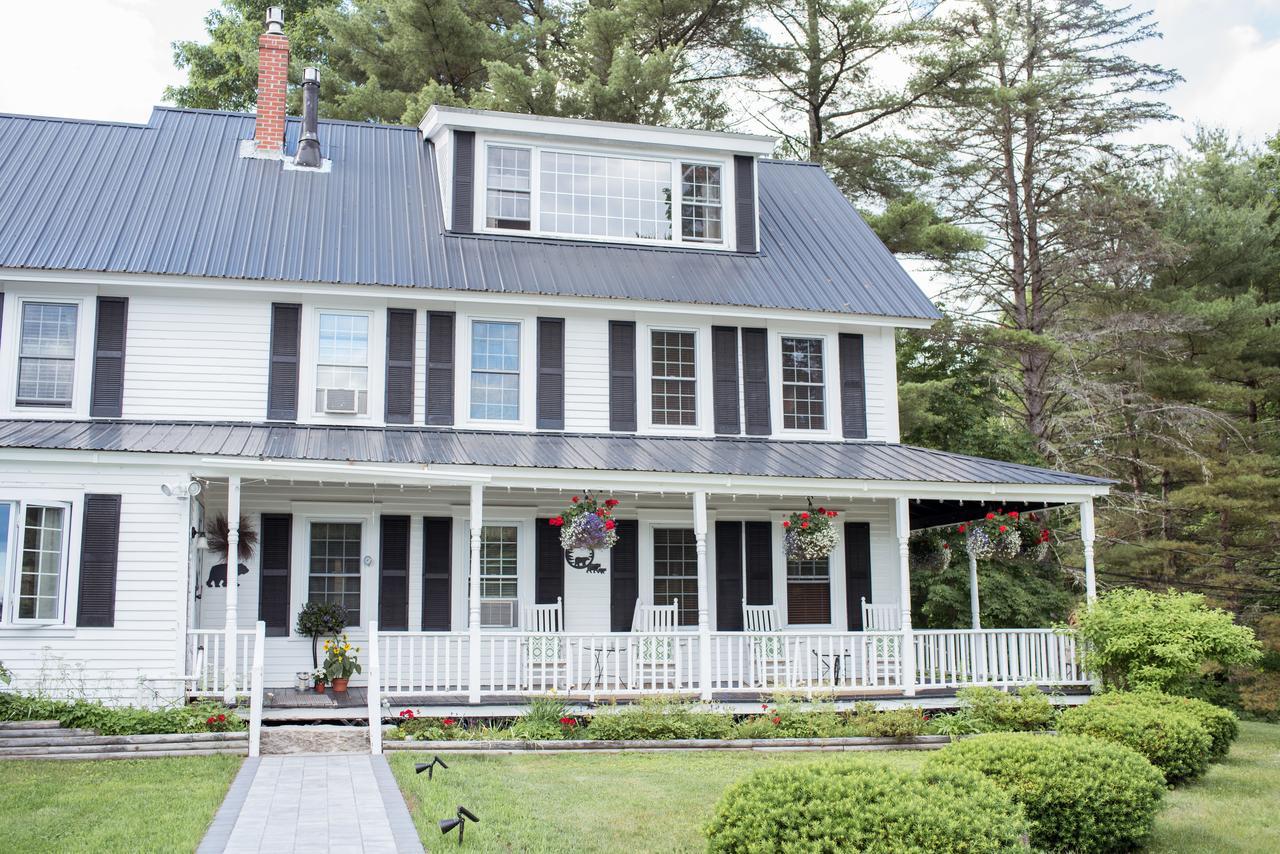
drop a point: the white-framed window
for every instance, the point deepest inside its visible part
(47, 353)
(509, 187)
(673, 377)
(803, 384)
(33, 561)
(809, 592)
(596, 195)
(675, 571)
(701, 195)
(342, 363)
(495, 370)
(335, 559)
(499, 576)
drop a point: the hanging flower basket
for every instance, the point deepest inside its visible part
(587, 524)
(810, 534)
(1007, 535)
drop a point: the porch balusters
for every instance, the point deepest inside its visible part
(704, 624)
(233, 587)
(907, 658)
(473, 620)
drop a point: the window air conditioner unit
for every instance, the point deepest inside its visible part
(340, 400)
(498, 613)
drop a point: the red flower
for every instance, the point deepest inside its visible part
(991, 515)
(1003, 529)
(556, 521)
(804, 524)
(209, 720)
(1013, 514)
(777, 720)
(764, 706)
(822, 510)
(575, 499)
(568, 722)
(407, 713)
(612, 502)
(1044, 535)
(831, 514)
(804, 515)
(786, 523)
(960, 529)
(946, 545)
(221, 718)
(600, 513)
(448, 722)
(609, 525)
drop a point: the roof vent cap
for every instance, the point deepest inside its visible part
(275, 20)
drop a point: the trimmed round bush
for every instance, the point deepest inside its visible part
(1079, 794)
(1221, 724)
(1172, 740)
(856, 806)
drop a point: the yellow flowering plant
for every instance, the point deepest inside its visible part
(340, 660)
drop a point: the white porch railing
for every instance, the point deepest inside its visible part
(829, 661)
(206, 661)
(256, 679)
(954, 658)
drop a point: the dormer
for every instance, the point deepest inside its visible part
(570, 179)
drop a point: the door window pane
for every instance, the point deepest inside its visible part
(40, 575)
(495, 370)
(46, 354)
(507, 191)
(700, 193)
(342, 364)
(499, 585)
(673, 392)
(675, 571)
(808, 591)
(597, 196)
(803, 400)
(336, 558)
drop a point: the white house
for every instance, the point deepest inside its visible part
(397, 352)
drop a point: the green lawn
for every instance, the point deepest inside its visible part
(659, 801)
(123, 805)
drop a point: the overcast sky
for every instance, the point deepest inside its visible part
(110, 59)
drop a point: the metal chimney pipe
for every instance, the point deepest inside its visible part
(275, 20)
(309, 143)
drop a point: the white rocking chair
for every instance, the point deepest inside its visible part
(882, 618)
(655, 649)
(544, 647)
(768, 653)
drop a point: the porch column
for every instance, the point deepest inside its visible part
(233, 589)
(907, 660)
(473, 618)
(1086, 536)
(973, 593)
(704, 624)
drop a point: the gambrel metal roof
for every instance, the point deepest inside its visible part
(864, 461)
(174, 197)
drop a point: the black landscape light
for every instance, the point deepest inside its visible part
(464, 815)
(429, 767)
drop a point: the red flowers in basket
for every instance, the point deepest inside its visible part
(407, 713)
(448, 722)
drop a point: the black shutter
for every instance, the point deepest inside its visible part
(464, 178)
(282, 375)
(622, 376)
(275, 555)
(393, 574)
(99, 555)
(548, 565)
(857, 570)
(624, 576)
(759, 547)
(401, 335)
(853, 387)
(107, 397)
(550, 373)
(744, 201)
(728, 577)
(437, 561)
(724, 380)
(755, 381)
(440, 337)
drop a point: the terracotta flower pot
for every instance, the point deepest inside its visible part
(319, 687)
(339, 686)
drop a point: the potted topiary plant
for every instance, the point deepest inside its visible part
(321, 620)
(340, 662)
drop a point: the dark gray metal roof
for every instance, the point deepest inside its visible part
(608, 452)
(174, 197)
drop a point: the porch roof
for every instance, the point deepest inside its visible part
(729, 456)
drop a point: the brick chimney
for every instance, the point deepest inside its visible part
(273, 84)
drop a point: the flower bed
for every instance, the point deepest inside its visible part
(121, 720)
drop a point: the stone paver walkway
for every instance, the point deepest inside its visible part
(312, 804)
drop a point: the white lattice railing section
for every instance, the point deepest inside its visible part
(952, 658)
(206, 661)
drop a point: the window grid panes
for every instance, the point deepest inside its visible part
(597, 196)
(507, 191)
(809, 592)
(40, 575)
(499, 586)
(675, 571)
(336, 560)
(701, 197)
(495, 370)
(803, 402)
(342, 362)
(674, 395)
(47, 354)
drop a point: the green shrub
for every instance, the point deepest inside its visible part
(905, 722)
(1079, 794)
(789, 717)
(1171, 740)
(658, 718)
(416, 728)
(121, 720)
(1139, 639)
(1221, 724)
(858, 806)
(992, 710)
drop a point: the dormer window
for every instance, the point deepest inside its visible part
(510, 184)
(700, 197)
